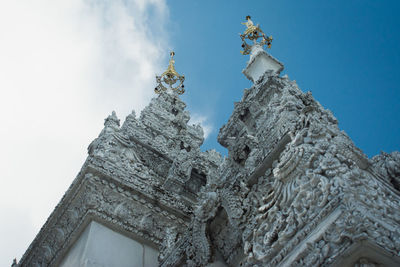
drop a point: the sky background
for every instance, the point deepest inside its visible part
(65, 65)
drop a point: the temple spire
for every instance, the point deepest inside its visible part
(260, 63)
(170, 80)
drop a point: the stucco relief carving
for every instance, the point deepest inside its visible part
(294, 190)
(199, 252)
(106, 201)
(317, 168)
(388, 166)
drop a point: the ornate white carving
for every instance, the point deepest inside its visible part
(294, 190)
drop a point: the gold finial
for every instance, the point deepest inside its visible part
(169, 78)
(253, 33)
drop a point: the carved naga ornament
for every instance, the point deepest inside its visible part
(253, 33)
(170, 79)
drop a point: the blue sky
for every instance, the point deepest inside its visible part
(344, 52)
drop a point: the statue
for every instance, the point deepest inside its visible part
(250, 26)
(253, 33)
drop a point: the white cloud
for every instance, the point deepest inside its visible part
(64, 66)
(202, 120)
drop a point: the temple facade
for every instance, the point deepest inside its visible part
(293, 191)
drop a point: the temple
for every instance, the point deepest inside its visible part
(293, 191)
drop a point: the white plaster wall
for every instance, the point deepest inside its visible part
(99, 246)
(261, 62)
(260, 65)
